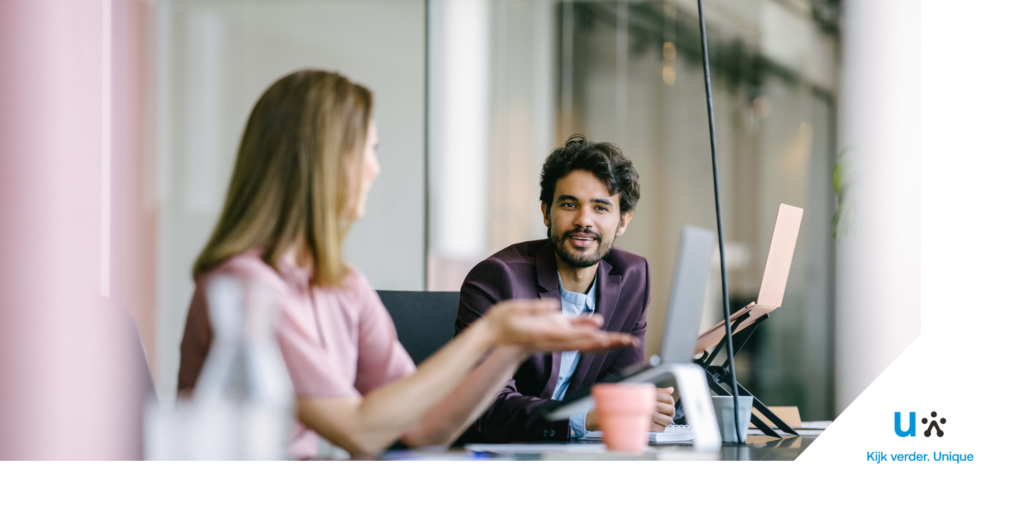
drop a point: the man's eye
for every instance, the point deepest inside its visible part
(569, 205)
(602, 208)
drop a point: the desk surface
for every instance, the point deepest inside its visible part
(756, 448)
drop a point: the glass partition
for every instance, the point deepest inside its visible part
(472, 96)
(631, 73)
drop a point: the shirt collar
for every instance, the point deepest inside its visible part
(577, 298)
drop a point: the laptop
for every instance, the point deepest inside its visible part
(682, 321)
(773, 281)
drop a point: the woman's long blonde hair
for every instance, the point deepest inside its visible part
(298, 175)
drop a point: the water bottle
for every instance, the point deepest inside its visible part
(243, 405)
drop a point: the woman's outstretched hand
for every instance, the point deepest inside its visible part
(540, 326)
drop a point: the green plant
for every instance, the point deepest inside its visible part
(842, 182)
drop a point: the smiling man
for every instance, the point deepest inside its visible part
(588, 194)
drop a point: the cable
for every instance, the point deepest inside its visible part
(718, 212)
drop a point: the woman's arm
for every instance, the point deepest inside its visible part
(366, 426)
(471, 397)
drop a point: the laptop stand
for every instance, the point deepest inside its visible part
(717, 375)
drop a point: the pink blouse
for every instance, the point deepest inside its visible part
(336, 342)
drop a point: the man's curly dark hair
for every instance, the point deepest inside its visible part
(602, 159)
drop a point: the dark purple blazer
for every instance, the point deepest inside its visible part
(527, 271)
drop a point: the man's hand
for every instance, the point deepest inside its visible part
(665, 410)
(590, 423)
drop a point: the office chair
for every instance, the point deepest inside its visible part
(425, 321)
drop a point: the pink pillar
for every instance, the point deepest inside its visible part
(70, 385)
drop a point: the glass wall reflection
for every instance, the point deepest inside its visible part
(630, 73)
(471, 96)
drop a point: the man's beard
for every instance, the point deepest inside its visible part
(579, 259)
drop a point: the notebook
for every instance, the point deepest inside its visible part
(673, 434)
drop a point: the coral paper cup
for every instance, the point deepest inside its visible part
(624, 414)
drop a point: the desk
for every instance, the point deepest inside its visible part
(756, 448)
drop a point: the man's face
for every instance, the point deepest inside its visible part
(584, 219)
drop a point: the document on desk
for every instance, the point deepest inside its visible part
(815, 425)
(673, 434)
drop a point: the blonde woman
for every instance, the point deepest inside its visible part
(304, 167)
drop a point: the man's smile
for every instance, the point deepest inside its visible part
(582, 241)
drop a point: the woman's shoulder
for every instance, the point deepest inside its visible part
(249, 267)
(355, 280)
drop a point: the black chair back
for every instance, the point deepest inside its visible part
(425, 321)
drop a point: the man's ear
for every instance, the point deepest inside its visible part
(623, 222)
(544, 210)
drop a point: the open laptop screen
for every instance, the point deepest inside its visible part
(773, 281)
(682, 320)
(780, 256)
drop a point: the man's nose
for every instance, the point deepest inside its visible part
(584, 219)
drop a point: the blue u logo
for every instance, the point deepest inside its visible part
(912, 431)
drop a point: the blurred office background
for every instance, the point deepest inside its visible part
(470, 97)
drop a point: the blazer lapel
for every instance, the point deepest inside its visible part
(556, 366)
(547, 273)
(589, 363)
(608, 287)
(547, 287)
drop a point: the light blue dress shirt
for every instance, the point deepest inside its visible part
(574, 304)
